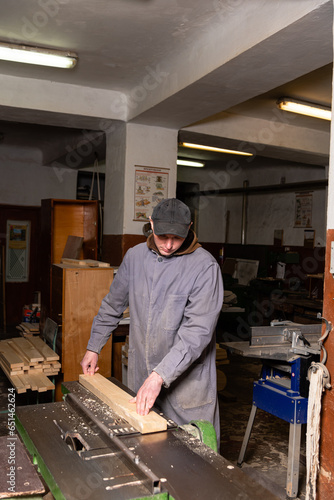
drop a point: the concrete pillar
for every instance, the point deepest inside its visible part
(130, 145)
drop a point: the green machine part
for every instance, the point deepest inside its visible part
(204, 431)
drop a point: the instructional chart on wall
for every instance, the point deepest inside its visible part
(303, 210)
(151, 186)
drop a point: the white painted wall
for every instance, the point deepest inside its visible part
(26, 183)
(153, 146)
(149, 147)
(266, 212)
(127, 146)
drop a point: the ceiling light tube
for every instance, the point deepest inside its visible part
(217, 150)
(188, 163)
(304, 108)
(36, 55)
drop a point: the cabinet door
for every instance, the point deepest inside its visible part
(83, 292)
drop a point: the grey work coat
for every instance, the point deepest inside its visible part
(174, 306)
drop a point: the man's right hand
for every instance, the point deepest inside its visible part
(89, 363)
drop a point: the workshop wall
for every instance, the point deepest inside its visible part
(220, 215)
(26, 183)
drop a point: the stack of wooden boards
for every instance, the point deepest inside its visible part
(28, 329)
(28, 362)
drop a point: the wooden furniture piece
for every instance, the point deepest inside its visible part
(77, 293)
(59, 220)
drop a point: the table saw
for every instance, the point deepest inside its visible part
(84, 450)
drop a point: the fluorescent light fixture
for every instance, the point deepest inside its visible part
(36, 55)
(217, 150)
(304, 108)
(188, 163)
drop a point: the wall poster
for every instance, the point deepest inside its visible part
(303, 210)
(151, 186)
(17, 251)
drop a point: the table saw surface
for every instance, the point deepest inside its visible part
(95, 454)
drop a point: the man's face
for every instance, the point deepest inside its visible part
(167, 244)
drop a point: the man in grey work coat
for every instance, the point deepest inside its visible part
(175, 292)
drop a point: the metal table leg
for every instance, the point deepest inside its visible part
(247, 434)
(293, 460)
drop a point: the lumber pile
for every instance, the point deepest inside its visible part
(28, 362)
(28, 329)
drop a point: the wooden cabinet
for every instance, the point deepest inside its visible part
(63, 218)
(77, 294)
(60, 219)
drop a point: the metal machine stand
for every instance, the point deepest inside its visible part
(280, 396)
(286, 350)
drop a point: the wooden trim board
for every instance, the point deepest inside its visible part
(118, 400)
(44, 349)
(11, 356)
(25, 349)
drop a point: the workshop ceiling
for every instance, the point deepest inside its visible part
(122, 43)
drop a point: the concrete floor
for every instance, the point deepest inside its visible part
(267, 451)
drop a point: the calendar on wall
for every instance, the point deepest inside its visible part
(151, 187)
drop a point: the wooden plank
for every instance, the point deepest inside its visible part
(30, 327)
(39, 382)
(24, 359)
(18, 384)
(22, 345)
(16, 381)
(118, 400)
(96, 263)
(55, 365)
(51, 373)
(34, 369)
(8, 369)
(84, 262)
(73, 247)
(73, 262)
(10, 355)
(46, 351)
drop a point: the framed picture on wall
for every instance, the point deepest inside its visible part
(17, 251)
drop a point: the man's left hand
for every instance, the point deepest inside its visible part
(147, 394)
